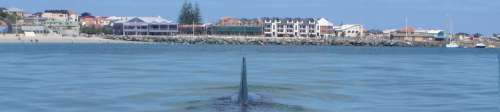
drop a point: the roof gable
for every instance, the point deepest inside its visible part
(136, 20)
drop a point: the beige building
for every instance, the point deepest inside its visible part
(60, 15)
(349, 30)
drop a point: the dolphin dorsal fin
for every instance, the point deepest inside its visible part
(243, 94)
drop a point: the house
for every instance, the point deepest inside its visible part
(237, 26)
(290, 27)
(409, 34)
(326, 28)
(64, 22)
(60, 15)
(144, 26)
(439, 35)
(34, 24)
(94, 22)
(194, 29)
(349, 30)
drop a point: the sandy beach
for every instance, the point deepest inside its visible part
(10, 38)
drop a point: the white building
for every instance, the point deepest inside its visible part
(144, 26)
(291, 27)
(60, 15)
(64, 22)
(437, 34)
(349, 30)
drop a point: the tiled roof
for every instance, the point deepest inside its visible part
(145, 19)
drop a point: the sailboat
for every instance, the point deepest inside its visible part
(451, 43)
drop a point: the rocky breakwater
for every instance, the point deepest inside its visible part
(239, 40)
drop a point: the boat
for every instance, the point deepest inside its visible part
(480, 45)
(452, 45)
(451, 42)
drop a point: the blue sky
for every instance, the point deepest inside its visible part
(467, 15)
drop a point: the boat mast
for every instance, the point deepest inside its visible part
(406, 27)
(450, 27)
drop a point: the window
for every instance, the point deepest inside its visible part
(163, 27)
(312, 26)
(155, 26)
(129, 27)
(172, 27)
(268, 26)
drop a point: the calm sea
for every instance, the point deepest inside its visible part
(166, 77)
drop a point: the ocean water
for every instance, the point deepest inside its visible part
(187, 78)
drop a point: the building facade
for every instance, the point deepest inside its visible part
(410, 34)
(60, 15)
(94, 22)
(145, 26)
(237, 26)
(349, 30)
(63, 22)
(326, 28)
(439, 35)
(291, 27)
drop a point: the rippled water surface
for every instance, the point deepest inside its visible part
(165, 78)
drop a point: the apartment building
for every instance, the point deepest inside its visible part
(291, 27)
(64, 22)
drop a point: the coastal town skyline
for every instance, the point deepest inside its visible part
(467, 16)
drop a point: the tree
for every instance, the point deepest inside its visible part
(86, 14)
(197, 14)
(8, 17)
(477, 35)
(190, 14)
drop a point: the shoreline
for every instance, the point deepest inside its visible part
(10, 38)
(222, 40)
(253, 40)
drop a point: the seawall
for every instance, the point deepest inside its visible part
(242, 40)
